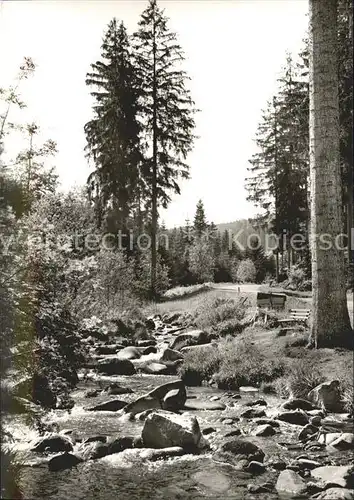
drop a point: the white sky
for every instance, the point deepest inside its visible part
(234, 51)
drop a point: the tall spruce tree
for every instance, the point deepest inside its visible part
(166, 114)
(113, 133)
(200, 224)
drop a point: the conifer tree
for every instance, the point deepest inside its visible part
(200, 224)
(166, 113)
(113, 133)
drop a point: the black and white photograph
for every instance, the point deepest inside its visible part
(176, 249)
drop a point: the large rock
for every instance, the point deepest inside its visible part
(253, 413)
(130, 353)
(243, 449)
(116, 389)
(108, 349)
(296, 417)
(53, 444)
(63, 461)
(92, 450)
(194, 337)
(335, 494)
(298, 404)
(171, 355)
(154, 368)
(335, 475)
(289, 482)
(115, 366)
(155, 398)
(264, 430)
(142, 404)
(344, 442)
(114, 405)
(327, 395)
(166, 429)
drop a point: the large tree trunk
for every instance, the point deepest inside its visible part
(331, 325)
(154, 214)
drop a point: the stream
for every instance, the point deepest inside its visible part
(129, 475)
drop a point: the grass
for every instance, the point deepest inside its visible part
(232, 363)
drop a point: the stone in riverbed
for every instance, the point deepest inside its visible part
(269, 421)
(92, 393)
(332, 475)
(116, 389)
(92, 450)
(154, 399)
(193, 337)
(260, 402)
(208, 430)
(146, 343)
(129, 353)
(53, 444)
(173, 400)
(264, 430)
(115, 366)
(154, 368)
(335, 494)
(63, 461)
(253, 413)
(344, 442)
(298, 404)
(171, 355)
(327, 395)
(114, 405)
(166, 429)
(243, 449)
(307, 431)
(296, 417)
(255, 467)
(289, 482)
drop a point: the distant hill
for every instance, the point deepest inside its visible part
(243, 230)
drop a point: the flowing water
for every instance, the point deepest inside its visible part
(127, 475)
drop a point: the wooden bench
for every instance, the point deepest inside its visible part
(296, 316)
(269, 300)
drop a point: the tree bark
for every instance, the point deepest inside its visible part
(330, 318)
(154, 214)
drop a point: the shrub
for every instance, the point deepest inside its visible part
(246, 271)
(347, 393)
(217, 313)
(242, 363)
(296, 276)
(303, 377)
(199, 365)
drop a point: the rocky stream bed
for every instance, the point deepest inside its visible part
(136, 432)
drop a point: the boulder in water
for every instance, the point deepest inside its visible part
(116, 366)
(171, 355)
(296, 417)
(290, 483)
(298, 404)
(116, 389)
(63, 461)
(154, 368)
(166, 429)
(194, 337)
(243, 449)
(327, 395)
(53, 444)
(264, 430)
(335, 475)
(129, 353)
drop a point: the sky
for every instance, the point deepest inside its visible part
(234, 52)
